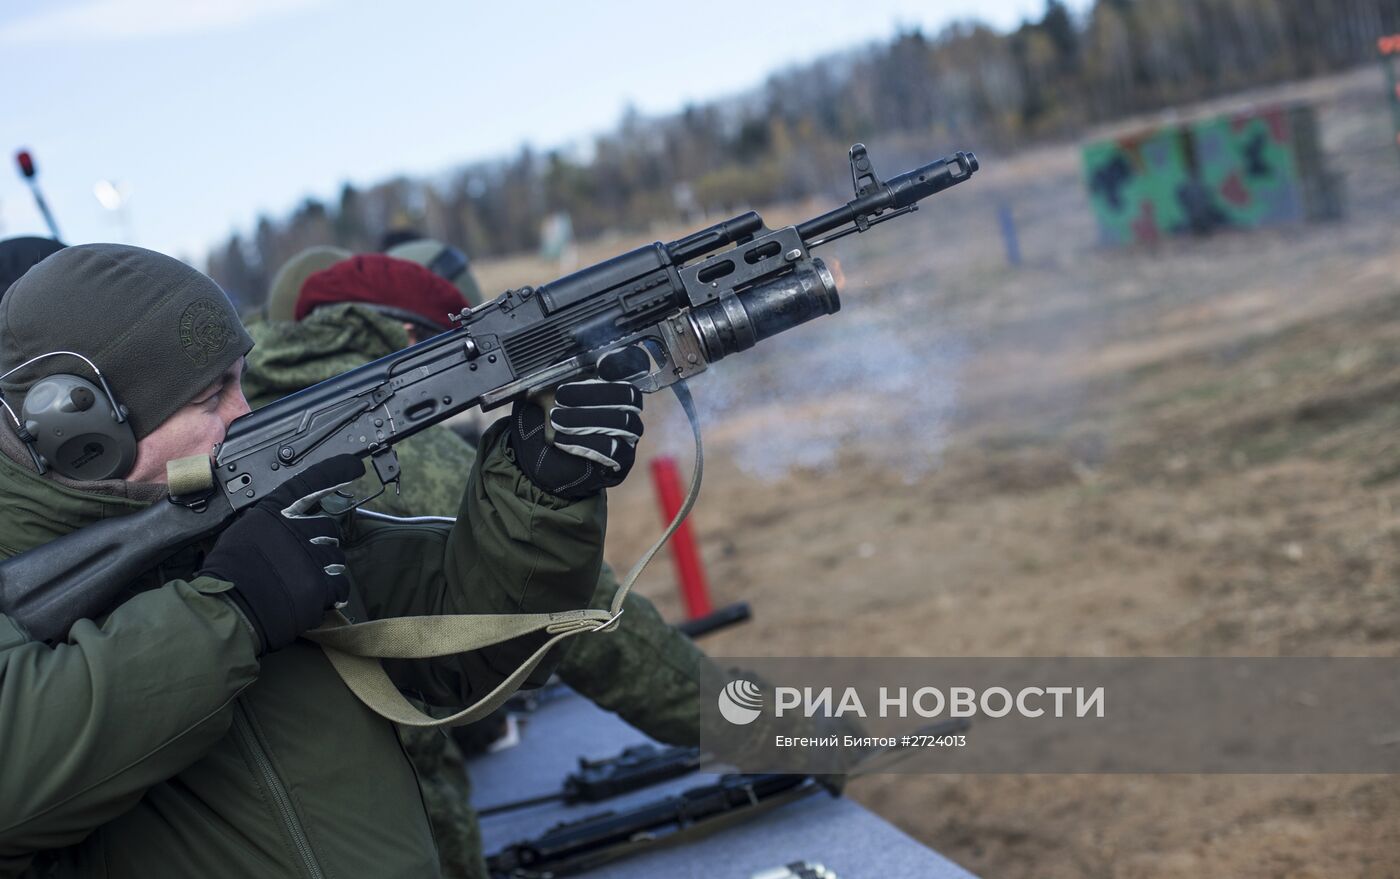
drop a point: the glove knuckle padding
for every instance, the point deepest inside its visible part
(339, 589)
(307, 529)
(324, 556)
(613, 422)
(595, 449)
(599, 393)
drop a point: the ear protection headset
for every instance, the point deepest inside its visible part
(66, 429)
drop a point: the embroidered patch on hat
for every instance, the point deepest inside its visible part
(204, 330)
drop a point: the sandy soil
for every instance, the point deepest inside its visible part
(1191, 451)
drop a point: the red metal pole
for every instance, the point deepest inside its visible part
(689, 571)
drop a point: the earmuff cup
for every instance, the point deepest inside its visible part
(74, 430)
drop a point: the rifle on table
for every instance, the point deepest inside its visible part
(635, 768)
(687, 304)
(576, 846)
(729, 615)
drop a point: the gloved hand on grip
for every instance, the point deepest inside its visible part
(286, 569)
(596, 426)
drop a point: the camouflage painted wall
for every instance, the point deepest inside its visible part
(1245, 171)
(1133, 185)
(1248, 166)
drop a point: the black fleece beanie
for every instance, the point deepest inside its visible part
(159, 330)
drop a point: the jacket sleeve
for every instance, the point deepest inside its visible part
(645, 670)
(88, 725)
(513, 549)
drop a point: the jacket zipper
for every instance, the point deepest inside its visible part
(243, 726)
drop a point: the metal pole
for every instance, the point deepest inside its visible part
(44, 209)
(1390, 57)
(1008, 234)
(30, 173)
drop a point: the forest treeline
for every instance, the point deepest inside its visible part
(966, 85)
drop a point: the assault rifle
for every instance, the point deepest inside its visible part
(686, 304)
(596, 780)
(576, 846)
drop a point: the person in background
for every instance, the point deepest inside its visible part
(441, 259)
(19, 255)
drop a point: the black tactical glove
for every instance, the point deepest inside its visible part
(596, 427)
(286, 571)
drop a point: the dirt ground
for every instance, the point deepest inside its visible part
(1186, 451)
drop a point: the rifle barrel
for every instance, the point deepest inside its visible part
(898, 192)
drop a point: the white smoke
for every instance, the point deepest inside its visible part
(873, 377)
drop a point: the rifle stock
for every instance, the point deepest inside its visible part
(83, 574)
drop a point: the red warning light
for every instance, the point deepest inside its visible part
(26, 163)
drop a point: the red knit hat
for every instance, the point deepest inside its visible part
(375, 279)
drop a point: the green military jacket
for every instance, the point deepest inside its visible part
(153, 742)
(645, 671)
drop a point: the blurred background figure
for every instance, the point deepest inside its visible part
(19, 255)
(286, 284)
(443, 260)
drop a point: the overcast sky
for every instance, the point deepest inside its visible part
(208, 112)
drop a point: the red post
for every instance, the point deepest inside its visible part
(689, 571)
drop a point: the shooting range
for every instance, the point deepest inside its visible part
(1064, 330)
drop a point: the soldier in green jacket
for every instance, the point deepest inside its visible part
(368, 307)
(187, 731)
